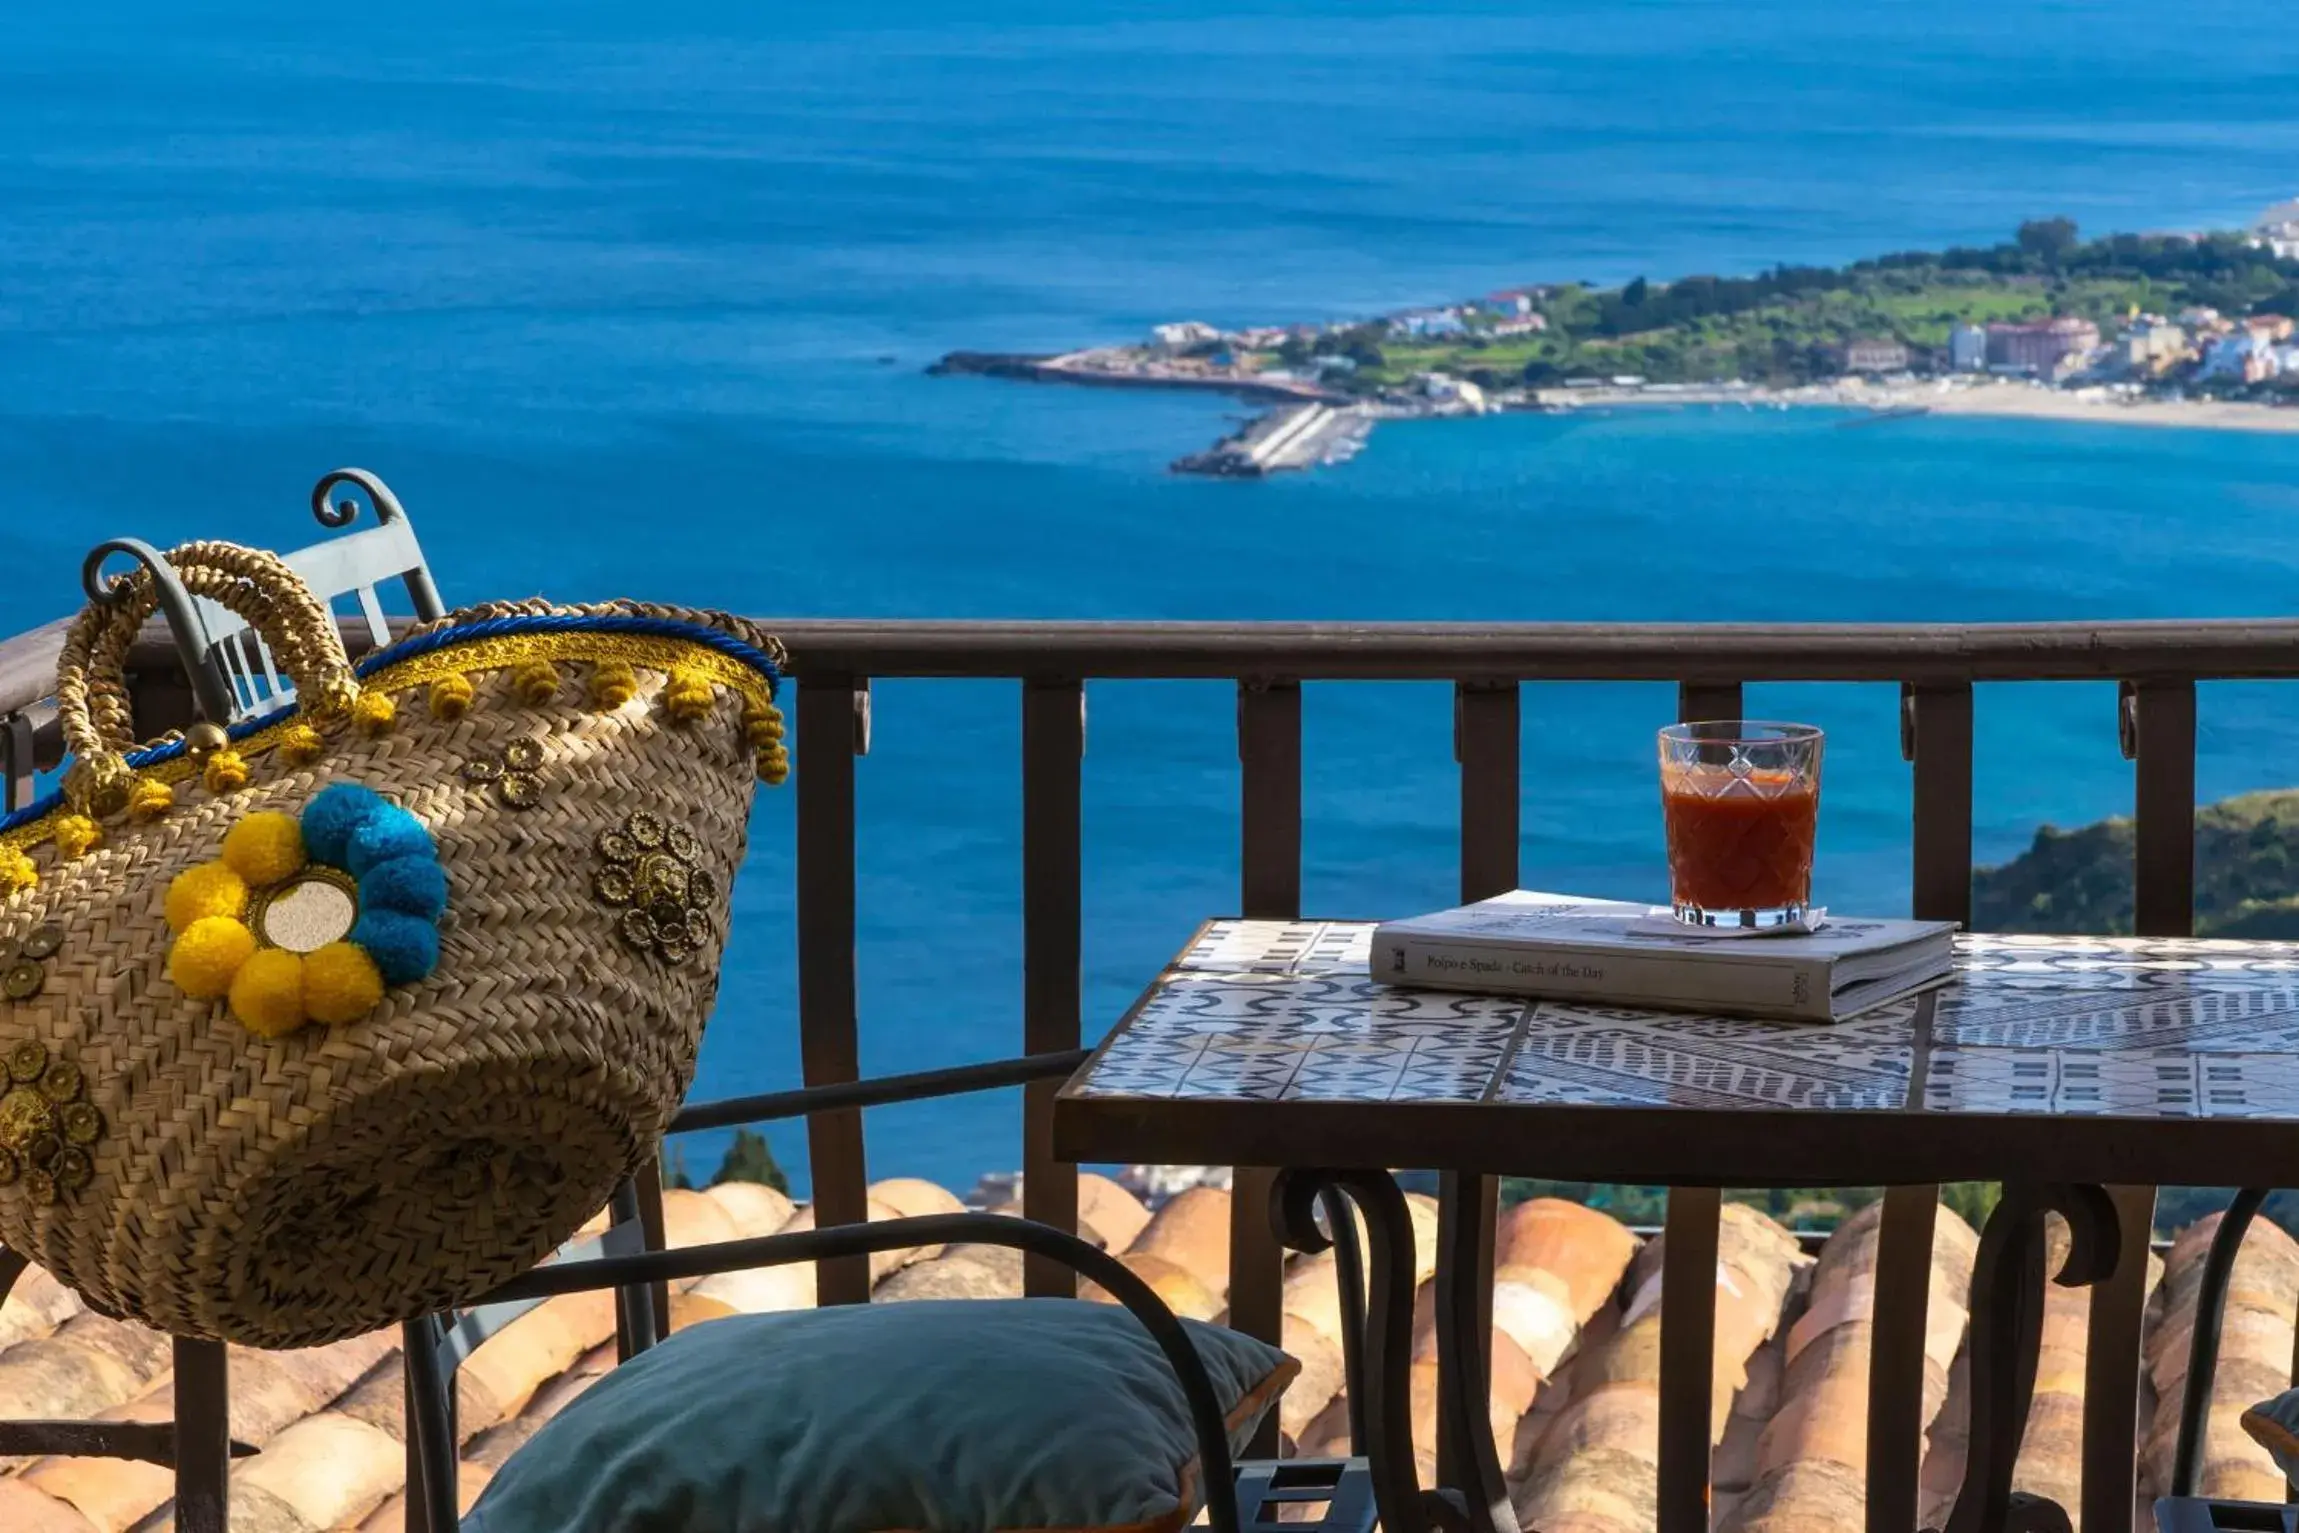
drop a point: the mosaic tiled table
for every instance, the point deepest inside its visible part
(2071, 1058)
(2060, 1066)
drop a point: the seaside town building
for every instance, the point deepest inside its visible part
(1428, 322)
(1876, 356)
(1526, 324)
(1967, 348)
(2152, 345)
(2278, 230)
(2245, 356)
(2041, 348)
(1450, 394)
(1183, 335)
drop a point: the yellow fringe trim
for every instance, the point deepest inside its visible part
(225, 772)
(761, 726)
(76, 836)
(293, 738)
(17, 873)
(374, 713)
(451, 696)
(535, 682)
(148, 800)
(613, 683)
(688, 696)
(299, 745)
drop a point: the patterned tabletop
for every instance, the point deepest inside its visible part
(2151, 1029)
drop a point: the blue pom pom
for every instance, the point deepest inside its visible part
(331, 816)
(388, 832)
(404, 948)
(412, 886)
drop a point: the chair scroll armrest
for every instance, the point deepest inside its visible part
(1140, 1300)
(2203, 1348)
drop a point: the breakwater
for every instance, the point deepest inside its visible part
(1291, 436)
(1075, 369)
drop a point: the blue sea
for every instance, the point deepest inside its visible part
(635, 300)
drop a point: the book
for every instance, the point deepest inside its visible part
(1557, 947)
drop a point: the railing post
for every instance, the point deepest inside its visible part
(1053, 745)
(2161, 736)
(1936, 736)
(1687, 1360)
(1269, 755)
(2157, 723)
(830, 720)
(1688, 1276)
(16, 772)
(1699, 701)
(1486, 743)
(203, 1435)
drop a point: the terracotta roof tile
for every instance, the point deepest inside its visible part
(1574, 1406)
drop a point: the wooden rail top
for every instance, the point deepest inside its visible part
(2229, 648)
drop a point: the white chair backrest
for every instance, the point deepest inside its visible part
(341, 570)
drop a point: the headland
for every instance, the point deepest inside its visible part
(2181, 329)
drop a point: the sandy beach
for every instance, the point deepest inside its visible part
(2096, 406)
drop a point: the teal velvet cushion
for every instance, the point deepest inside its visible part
(961, 1416)
(2274, 1425)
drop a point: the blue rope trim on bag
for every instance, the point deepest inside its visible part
(463, 633)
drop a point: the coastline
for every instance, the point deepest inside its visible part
(2000, 400)
(2017, 401)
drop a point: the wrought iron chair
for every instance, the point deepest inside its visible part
(232, 679)
(629, 1259)
(2182, 1510)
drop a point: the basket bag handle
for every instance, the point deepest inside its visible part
(92, 705)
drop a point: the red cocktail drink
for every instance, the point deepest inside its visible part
(1740, 802)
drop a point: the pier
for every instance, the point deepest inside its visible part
(1290, 437)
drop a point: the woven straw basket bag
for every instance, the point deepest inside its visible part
(358, 1010)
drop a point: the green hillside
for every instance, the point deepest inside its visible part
(2246, 874)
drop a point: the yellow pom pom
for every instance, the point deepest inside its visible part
(225, 772)
(340, 983)
(688, 696)
(267, 993)
(148, 800)
(374, 714)
(451, 697)
(76, 836)
(535, 682)
(613, 683)
(773, 766)
(207, 954)
(265, 848)
(300, 745)
(210, 889)
(16, 872)
(761, 725)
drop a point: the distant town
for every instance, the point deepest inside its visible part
(2044, 324)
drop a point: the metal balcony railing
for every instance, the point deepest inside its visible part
(1936, 667)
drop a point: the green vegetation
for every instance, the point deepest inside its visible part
(2246, 875)
(1789, 325)
(748, 1159)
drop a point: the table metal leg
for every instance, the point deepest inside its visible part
(1466, 1458)
(1387, 1352)
(2007, 1329)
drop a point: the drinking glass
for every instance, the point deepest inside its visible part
(1741, 803)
